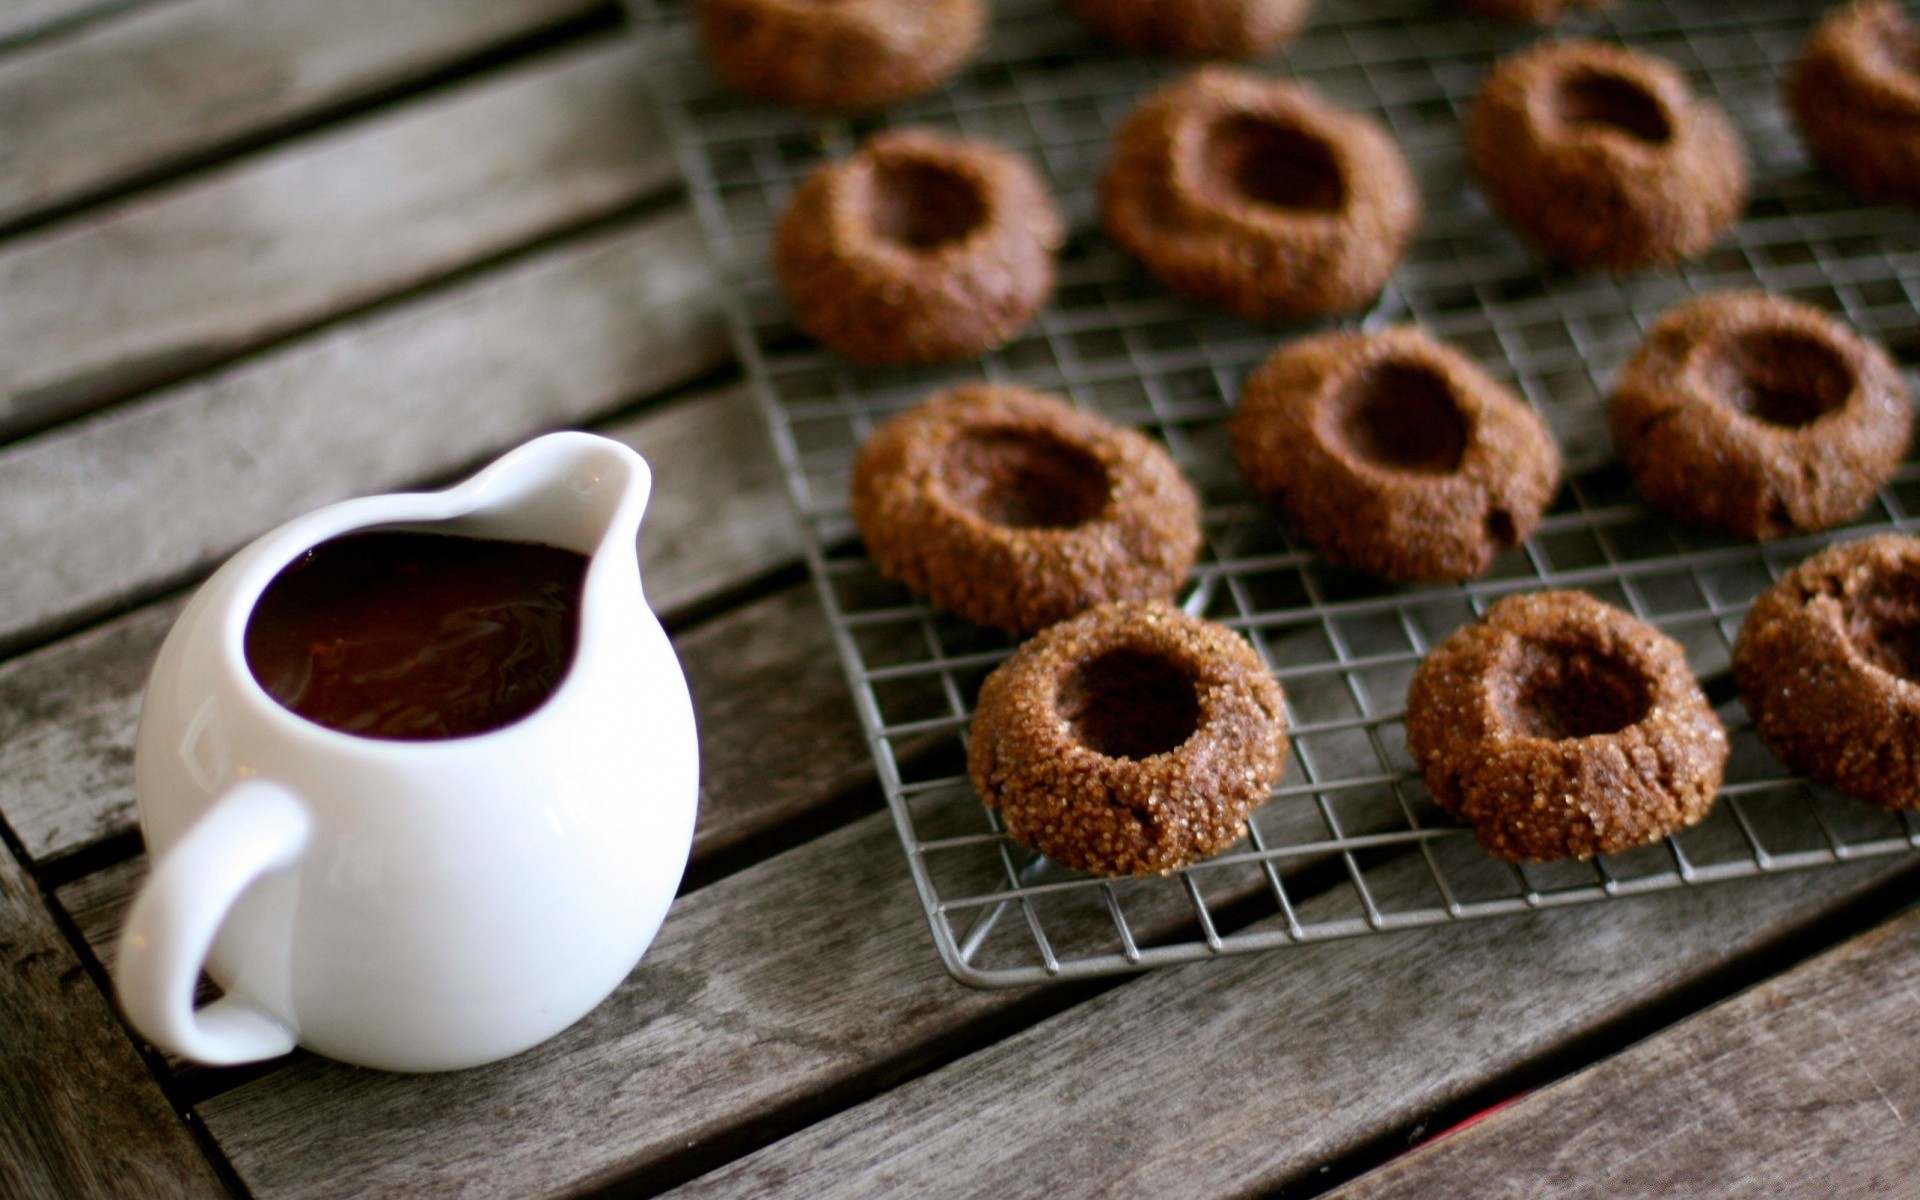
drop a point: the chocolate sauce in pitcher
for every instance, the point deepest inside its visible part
(417, 636)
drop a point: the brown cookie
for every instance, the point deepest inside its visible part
(1016, 510)
(1560, 727)
(1395, 454)
(1533, 12)
(1828, 663)
(1601, 157)
(849, 56)
(919, 248)
(1856, 96)
(1254, 194)
(1759, 417)
(1196, 28)
(1131, 740)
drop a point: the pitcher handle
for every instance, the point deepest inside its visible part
(253, 829)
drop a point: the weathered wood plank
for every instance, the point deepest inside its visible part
(130, 97)
(79, 1114)
(24, 19)
(1277, 1063)
(769, 993)
(1800, 1087)
(67, 716)
(151, 494)
(719, 513)
(762, 990)
(778, 735)
(68, 711)
(141, 293)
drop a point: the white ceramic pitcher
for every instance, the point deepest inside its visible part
(413, 905)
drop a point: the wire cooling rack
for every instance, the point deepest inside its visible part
(1350, 842)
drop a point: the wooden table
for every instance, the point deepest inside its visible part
(261, 256)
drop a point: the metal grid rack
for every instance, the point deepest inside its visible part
(1350, 843)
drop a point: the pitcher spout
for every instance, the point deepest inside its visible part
(577, 491)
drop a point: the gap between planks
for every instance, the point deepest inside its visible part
(1278, 1064)
(1804, 1086)
(155, 88)
(145, 496)
(80, 1117)
(137, 294)
(24, 21)
(773, 992)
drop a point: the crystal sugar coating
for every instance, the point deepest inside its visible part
(1560, 727)
(1256, 195)
(1601, 157)
(918, 248)
(849, 56)
(1855, 94)
(1828, 663)
(1196, 28)
(1759, 416)
(1131, 740)
(1015, 509)
(1394, 453)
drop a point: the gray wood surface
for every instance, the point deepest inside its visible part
(150, 494)
(80, 1116)
(1238, 1077)
(1804, 1086)
(149, 89)
(67, 711)
(136, 294)
(22, 20)
(761, 991)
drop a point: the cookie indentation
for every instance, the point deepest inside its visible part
(1758, 416)
(1855, 95)
(1025, 479)
(1261, 161)
(1403, 417)
(1395, 454)
(1017, 510)
(1605, 101)
(1132, 739)
(1780, 377)
(1883, 622)
(1827, 662)
(1570, 689)
(1560, 727)
(917, 248)
(1129, 703)
(1603, 158)
(924, 205)
(1257, 195)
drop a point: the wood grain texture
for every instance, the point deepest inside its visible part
(129, 97)
(22, 20)
(68, 710)
(767, 994)
(1237, 1077)
(80, 1116)
(719, 511)
(778, 735)
(141, 293)
(1804, 1086)
(762, 990)
(151, 494)
(67, 716)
